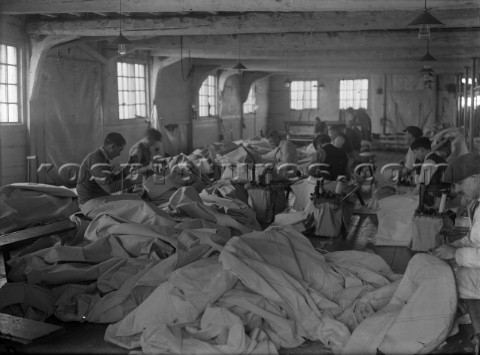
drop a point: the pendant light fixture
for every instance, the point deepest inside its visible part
(120, 40)
(428, 57)
(239, 67)
(424, 22)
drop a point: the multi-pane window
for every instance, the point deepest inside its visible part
(304, 95)
(250, 105)
(9, 84)
(132, 90)
(207, 103)
(354, 94)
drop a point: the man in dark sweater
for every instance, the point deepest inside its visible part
(327, 153)
(432, 166)
(342, 142)
(96, 180)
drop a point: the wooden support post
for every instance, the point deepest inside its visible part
(465, 97)
(472, 103)
(458, 96)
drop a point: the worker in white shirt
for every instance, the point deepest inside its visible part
(464, 253)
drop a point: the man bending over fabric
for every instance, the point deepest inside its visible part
(143, 151)
(327, 153)
(283, 151)
(429, 171)
(97, 181)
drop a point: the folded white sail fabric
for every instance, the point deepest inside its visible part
(219, 332)
(270, 289)
(159, 188)
(178, 301)
(135, 211)
(419, 316)
(193, 170)
(26, 204)
(238, 155)
(105, 280)
(299, 220)
(265, 290)
(230, 205)
(114, 239)
(221, 188)
(395, 220)
(186, 201)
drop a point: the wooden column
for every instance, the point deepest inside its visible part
(472, 103)
(458, 95)
(465, 97)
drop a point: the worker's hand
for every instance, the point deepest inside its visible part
(144, 170)
(445, 252)
(136, 177)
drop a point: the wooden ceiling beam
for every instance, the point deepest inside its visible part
(445, 54)
(343, 67)
(252, 23)
(302, 43)
(23, 7)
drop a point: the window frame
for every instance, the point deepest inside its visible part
(200, 106)
(350, 102)
(20, 65)
(134, 61)
(312, 99)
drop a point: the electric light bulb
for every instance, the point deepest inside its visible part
(424, 32)
(122, 49)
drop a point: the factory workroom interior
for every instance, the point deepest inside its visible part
(239, 177)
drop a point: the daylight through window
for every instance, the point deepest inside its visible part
(9, 84)
(132, 94)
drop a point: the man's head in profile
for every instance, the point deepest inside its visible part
(273, 138)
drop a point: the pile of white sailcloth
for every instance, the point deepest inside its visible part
(272, 289)
(190, 287)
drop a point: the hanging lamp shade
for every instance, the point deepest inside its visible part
(120, 39)
(425, 18)
(428, 58)
(287, 82)
(239, 66)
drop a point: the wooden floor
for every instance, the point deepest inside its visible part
(81, 338)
